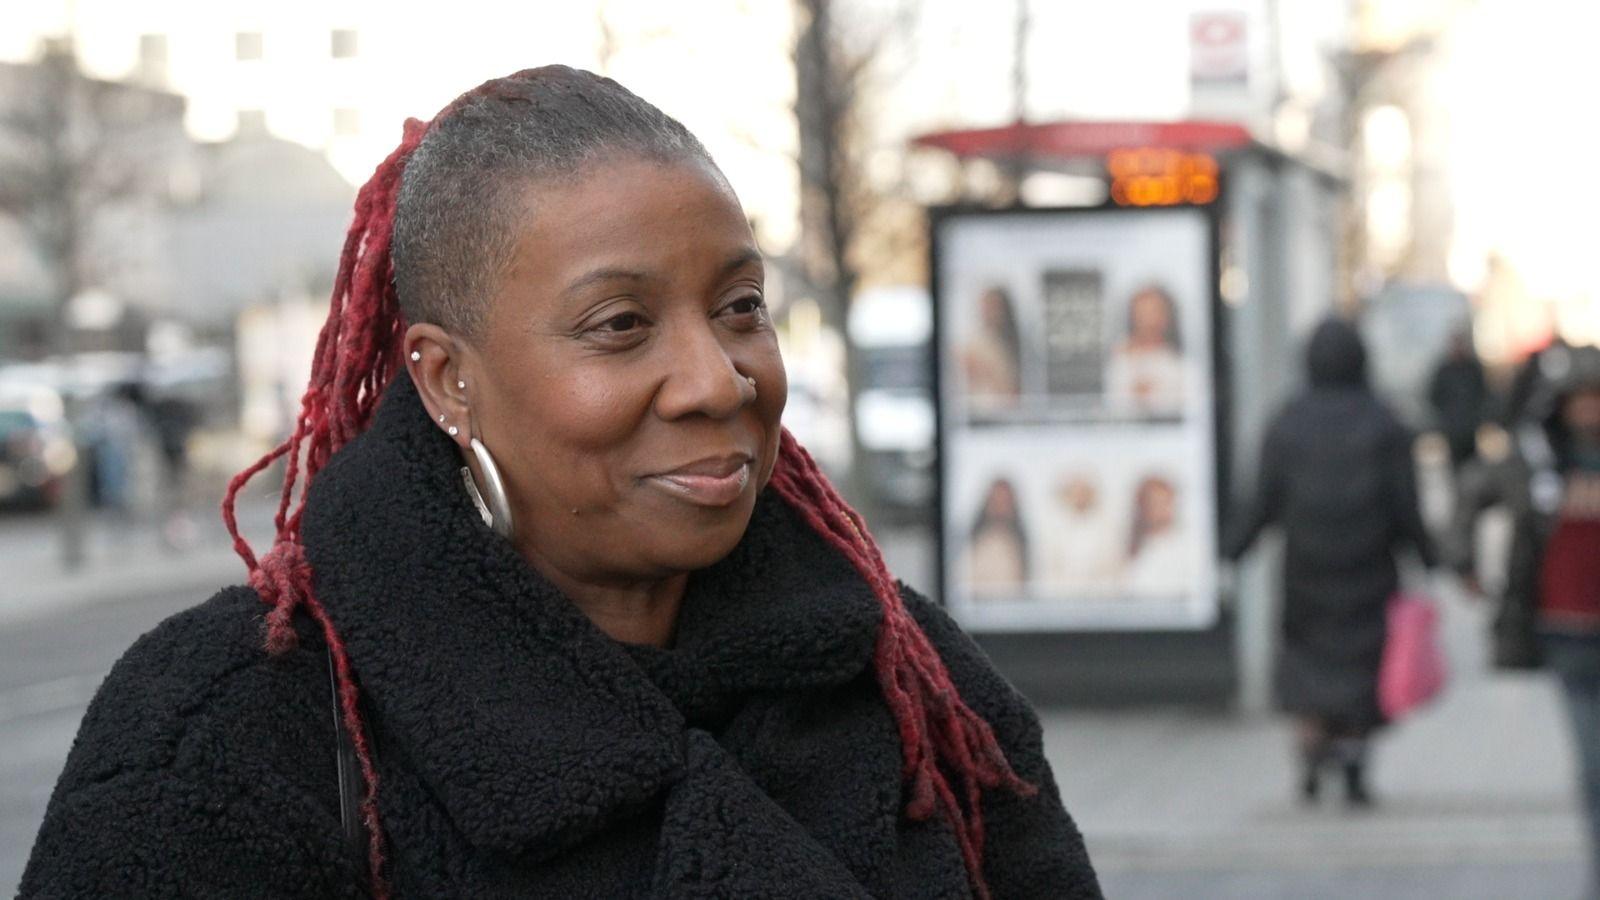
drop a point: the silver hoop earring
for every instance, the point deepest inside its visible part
(492, 499)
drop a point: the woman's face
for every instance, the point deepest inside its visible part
(1002, 501)
(1581, 413)
(1080, 495)
(610, 381)
(994, 309)
(1151, 317)
(1158, 503)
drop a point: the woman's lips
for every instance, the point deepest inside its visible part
(706, 485)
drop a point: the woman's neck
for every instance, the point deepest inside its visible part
(644, 612)
(640, 613)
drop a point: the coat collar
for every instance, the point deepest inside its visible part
(532, 727)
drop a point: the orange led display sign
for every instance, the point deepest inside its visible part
(1155, 176)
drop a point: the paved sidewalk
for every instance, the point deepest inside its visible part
(1474, 796)
(124, 557)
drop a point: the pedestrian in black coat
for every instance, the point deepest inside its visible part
(596, 626)
(1459, 395)
(1548, 611)
(1337, 474)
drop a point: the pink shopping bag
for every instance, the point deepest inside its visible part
(1413, 669)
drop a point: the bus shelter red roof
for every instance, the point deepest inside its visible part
(1044, 140)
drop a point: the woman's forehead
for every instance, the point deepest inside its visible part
(608, 198)
(633, 219)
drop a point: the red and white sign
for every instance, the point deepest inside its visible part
(1219, 48)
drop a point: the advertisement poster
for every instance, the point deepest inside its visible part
(1077, 419)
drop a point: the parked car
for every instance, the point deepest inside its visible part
(892, 329)
(36, 450)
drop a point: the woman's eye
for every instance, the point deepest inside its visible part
(744, 306)
(622, 323)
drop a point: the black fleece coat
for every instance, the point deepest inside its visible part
(1337, 474)
(521, 752)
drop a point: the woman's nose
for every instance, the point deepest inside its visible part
(701, 378)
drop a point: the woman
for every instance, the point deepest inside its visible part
(994, 355)
(1337, 474)
(998, 553)
(635, 646)
(1159, 557)
(1145, 375)
(1083, 555)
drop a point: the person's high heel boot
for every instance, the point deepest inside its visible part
(1312, 762)
(1352, 757)
(1355, 786)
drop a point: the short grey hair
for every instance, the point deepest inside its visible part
(463, 189)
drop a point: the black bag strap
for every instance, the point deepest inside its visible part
(355, 834)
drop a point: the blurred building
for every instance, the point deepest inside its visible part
(198, 268)
(264, 220)
(174, 228)
(89, 166)
(245, 70)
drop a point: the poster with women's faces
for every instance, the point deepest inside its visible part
(1078, 438)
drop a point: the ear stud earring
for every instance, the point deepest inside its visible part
(441, 418)
(462, 385)
(416, 356)
(454, 431)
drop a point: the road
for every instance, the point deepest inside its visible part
(49, 669)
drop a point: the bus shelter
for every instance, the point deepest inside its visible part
(1102, 377)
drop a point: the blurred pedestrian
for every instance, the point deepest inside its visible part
(115, 433)
(1549, 611)
(173, 419)
(1337, 474)
(1543, 368)
(597, 624)
(1459, 395)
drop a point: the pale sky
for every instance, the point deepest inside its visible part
(1521, 97)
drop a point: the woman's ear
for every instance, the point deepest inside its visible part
(437, 363)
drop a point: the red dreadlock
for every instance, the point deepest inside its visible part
(358, 354)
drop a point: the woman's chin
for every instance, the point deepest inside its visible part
(691, 542)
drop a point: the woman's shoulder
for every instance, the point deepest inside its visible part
(196, 772)
(954, 646)
(201, 674)
(979, 683)
(1034, 847)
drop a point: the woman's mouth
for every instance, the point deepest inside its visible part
(714, 481)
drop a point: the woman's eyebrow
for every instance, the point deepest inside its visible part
(745, 257)
(606, 273)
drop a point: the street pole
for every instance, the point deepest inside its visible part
(59, 71)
